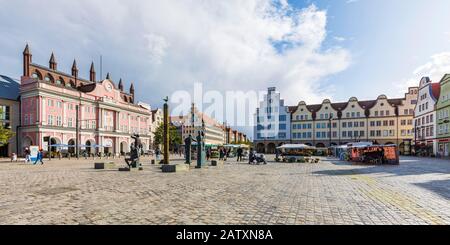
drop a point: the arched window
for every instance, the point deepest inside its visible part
(49, 78)
(60, 81)
(37, 75)
(71, 84)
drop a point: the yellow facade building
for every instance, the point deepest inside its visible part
(382, 121)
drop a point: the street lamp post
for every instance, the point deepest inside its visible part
(329, 126)
(166, 131)
(77, 131)
(49, 148)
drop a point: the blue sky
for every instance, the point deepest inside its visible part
(310, 50)
(388, 41)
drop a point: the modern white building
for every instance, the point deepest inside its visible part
(425, 126)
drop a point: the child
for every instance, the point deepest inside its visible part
(13, 157)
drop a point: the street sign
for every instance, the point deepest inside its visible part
(108, 143)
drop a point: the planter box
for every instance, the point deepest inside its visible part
(172, 168)
(168, 168)
(110, 165)
(99, 165)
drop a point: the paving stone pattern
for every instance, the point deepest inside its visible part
(330, 192)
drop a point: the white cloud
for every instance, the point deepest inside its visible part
(339, 39)
(435, 69)
(167, 45)
(157, 47)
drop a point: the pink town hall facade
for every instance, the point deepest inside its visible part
(107, 116)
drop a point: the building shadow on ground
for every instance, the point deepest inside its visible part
(440, 187)
(408, 166)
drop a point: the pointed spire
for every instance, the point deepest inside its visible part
(132, 89)
(92, 73)
(52, 62)
(120, 85)
(27, 57)
(52, 58)
(74, 65)
(92, 67)
(74, 68)
(108, 76)
(26, 50)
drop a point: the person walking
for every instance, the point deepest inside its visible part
(208, 154)
(221, 154)
(27, 155)
(157, 154)
(40, 157)
(239, 154)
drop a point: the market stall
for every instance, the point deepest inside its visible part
(232, 149)
(295, 152)
(375, 154)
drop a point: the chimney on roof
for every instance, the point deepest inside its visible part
(52, 63)
(92, 73)
(108, 76)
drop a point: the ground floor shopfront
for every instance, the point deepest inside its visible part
(404, 145)
(90, 142)
(443, 147)
(427, 147)
(268, 147)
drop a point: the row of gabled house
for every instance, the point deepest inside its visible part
(431, 117)
(417, 123)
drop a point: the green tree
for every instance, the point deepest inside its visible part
(174, 136)
(5, 133)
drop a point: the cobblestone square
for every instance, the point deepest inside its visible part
(330, 192)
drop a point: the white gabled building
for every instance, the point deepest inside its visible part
(425, 127)
(273, 123)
